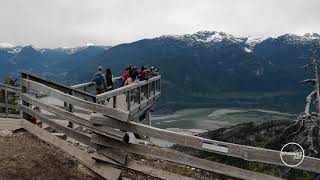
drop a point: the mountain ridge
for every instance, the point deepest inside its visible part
(209, 65)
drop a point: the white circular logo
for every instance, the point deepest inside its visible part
(292, 154)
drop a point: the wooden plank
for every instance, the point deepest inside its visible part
(82, 85)
(10, 124)
(101, 157)
(136, 166)
(89, 84)
(10, 88)
(83, 138)
(59, 86)
(248, 153)
(115, 113)
(102, 169)
(10, 106)
(77, 110)
(181, 158)
(60, 135)
(155, 172)
(16, 116)
(117, 155)
(106, 131)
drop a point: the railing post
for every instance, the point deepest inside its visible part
(70, 109)
(115, 101)
(148, 92)
(139, 101)
(2, 96)
(160, 85)
(25, 103)
(148, 117)
(129, 99)
(6, 102)
(155, 88)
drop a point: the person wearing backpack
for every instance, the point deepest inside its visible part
(99, 80)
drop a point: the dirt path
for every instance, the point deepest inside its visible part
(23, 156)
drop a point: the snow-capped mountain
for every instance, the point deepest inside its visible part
(45, 60)
(204, 63)
(210, 38)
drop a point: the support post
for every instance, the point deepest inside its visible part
(25, 103)
(148, 117)
(148, 92)
(155, 88)
(70, 109)
(129, 99)
(139, 100)
(114, 101)
(2, 96)
(6, 103)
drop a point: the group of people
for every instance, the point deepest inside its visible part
(104, 80)
(132, 75)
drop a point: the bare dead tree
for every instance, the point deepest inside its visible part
(305, 130)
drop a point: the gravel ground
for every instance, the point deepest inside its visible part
(23, 156)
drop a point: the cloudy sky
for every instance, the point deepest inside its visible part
(52, 23)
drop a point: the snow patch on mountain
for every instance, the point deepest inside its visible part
(253, 41)
(208, 37)
(6, 45)
(304, 38)
(14, 50)
(247, 50)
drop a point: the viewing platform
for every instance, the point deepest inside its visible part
(116, 124)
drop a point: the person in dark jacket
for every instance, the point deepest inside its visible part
(99, 80)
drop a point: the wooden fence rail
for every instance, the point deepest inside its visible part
(109, 141)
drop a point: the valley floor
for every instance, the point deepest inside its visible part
(208, 119)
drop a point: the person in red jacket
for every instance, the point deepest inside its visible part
(143, 74)
(33, 118)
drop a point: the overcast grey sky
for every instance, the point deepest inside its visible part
(52, 23)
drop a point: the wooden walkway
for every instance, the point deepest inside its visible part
(109, 128)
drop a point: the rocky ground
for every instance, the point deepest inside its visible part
(25, 157)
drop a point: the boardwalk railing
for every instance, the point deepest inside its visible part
(89, 86)
(137, 96)
(9, 97)
(107, 128)
(111, 142)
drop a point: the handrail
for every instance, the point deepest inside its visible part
(10, 88)
(248, 153)
(59, 86)
(88, 84)
(115, 113)
(124, 89)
